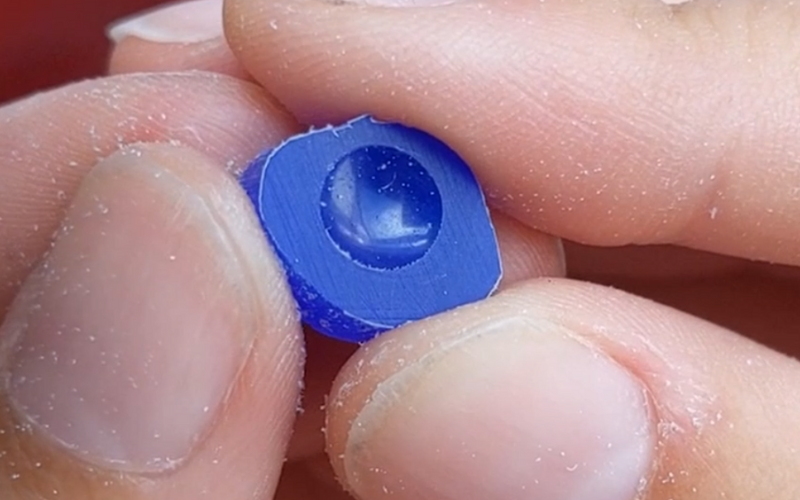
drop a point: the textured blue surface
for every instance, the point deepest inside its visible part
(376, 224)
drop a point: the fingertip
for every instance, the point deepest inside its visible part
(612, 145)
(526, 253)
(650, 403)
(248, 27)
(135, 55)
(483, 391)
(157, 339)
(177, 37)
(180, 22)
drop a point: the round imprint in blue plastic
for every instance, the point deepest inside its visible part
(376, 225)
(381, 207)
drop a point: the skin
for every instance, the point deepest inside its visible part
(655, 144)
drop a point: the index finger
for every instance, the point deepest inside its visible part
(608, 122)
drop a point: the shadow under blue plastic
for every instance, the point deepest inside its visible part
(376, 224)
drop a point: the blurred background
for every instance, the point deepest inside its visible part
(44, 43)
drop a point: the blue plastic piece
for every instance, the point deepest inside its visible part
(376, 224)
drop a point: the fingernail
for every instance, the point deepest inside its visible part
(510, 410)
(186, 22)
(123, 344)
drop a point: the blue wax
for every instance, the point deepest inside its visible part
(376, 225)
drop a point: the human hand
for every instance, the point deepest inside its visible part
(632, 123)
(154, 352)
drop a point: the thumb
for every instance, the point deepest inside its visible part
(563, 390)
(606, 122)
(154, 353)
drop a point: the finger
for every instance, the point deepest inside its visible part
(179, 36)
(134, 55)
(48, 143)
(558, 389)
(524, 254)
(607, 122)
(155, 352)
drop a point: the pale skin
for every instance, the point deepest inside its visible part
(151, 349)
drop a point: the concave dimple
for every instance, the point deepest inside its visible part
(381, 207)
